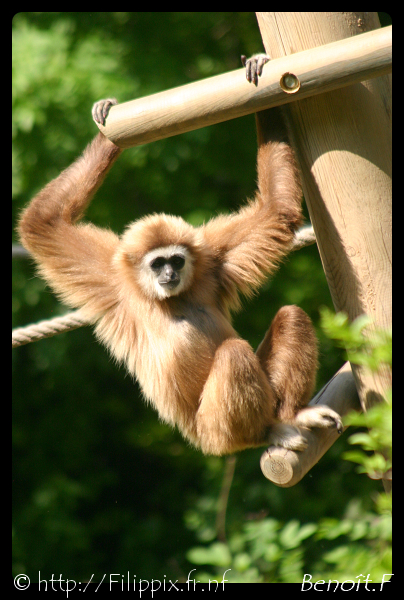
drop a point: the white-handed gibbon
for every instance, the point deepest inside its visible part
(160, 297)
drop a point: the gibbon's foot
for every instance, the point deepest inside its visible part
(101, 109)
(319, 416)
(287, 436)
(253, 66)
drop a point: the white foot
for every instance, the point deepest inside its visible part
(287, 436)
(319, 416)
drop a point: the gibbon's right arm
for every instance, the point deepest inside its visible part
(74, 258)
(252, 241)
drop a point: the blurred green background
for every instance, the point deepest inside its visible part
(99, 484)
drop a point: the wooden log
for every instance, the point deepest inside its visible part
(343, 142)
(284, 467)
(229, 95)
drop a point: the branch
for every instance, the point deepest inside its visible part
(284, 467)
(229, 95)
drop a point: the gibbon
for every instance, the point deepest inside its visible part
(160, 296)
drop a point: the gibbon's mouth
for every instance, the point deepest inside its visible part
(170, 284)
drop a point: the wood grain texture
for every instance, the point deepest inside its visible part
(343, 142)
(285, 467)
(229, 95)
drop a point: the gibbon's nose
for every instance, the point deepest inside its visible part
(170, 277)
(170, 274)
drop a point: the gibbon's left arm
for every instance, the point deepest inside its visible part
(74, 258)
(252, 241)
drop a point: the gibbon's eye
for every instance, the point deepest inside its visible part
(158, 263)
(177, 261)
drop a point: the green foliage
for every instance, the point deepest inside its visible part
(371, 349)
(276, 552)
(354, 337)
(377, 440)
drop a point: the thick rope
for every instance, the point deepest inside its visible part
(49, 328)
(73, 320)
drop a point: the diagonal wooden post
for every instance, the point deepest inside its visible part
(285, 467)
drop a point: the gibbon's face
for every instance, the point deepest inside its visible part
(166, 271)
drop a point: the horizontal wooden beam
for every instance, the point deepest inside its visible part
(284, 467)
(229, 95)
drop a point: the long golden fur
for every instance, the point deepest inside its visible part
(191, 364)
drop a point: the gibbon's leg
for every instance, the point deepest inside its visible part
(237, 403)
(288, 355)
(237, 408)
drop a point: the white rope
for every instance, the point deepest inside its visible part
(48, 328)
